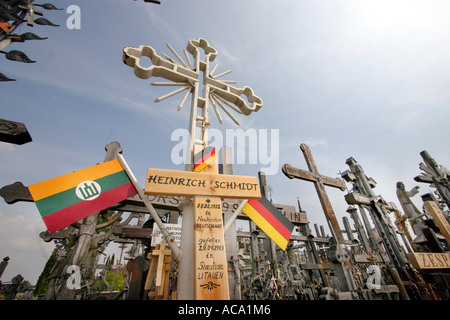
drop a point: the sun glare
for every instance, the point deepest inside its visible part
(385, 15)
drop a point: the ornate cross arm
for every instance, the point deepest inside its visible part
(193, 45)
(16, 192)
(187, 75)
(233, 95)
(160, 68)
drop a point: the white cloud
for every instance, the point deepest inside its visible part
(7, 147)
(315, 142)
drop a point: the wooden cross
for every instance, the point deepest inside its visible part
(202, 231)
(161, 258)
(13, 132)
(320, 181)
(439, 218)
(136, 268)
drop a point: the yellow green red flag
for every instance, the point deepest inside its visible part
(69, 198)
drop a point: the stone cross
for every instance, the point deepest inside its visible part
(320, 181)
(360, 229)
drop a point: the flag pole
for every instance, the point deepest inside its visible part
(168, 237)
(234, 216)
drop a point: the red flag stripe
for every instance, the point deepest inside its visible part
(269, 216)
(76, 212)
(205, 157)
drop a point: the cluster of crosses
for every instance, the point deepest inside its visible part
(213, 260)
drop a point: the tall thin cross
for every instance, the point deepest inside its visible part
(320, 181)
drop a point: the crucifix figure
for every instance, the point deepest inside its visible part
(194, 279)
(320, 181)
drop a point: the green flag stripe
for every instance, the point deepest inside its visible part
(68, 197)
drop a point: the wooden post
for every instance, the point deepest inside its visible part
(439, 218)
(230, 232)
(161, 257)
(211, 275)
(210, 260)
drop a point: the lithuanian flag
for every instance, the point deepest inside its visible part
(270, 220)
(69, 198)
(204, 158)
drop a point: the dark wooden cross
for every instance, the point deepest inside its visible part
(320, 181)
(31, 12)
(13, 132)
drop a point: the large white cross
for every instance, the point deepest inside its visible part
(220, 93)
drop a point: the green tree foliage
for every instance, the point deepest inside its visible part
(42, 283)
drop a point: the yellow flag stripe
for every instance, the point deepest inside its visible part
(205, 164)
(62, 183)
(265, 226)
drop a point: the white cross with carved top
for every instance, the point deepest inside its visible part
(187, 75)
(207, 284)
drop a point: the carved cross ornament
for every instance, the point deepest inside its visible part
(187, 75)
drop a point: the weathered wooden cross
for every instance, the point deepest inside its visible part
(320, 181)
(203, 264)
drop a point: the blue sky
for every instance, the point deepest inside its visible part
(367, 79)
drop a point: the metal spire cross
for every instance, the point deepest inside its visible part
(186, 74)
